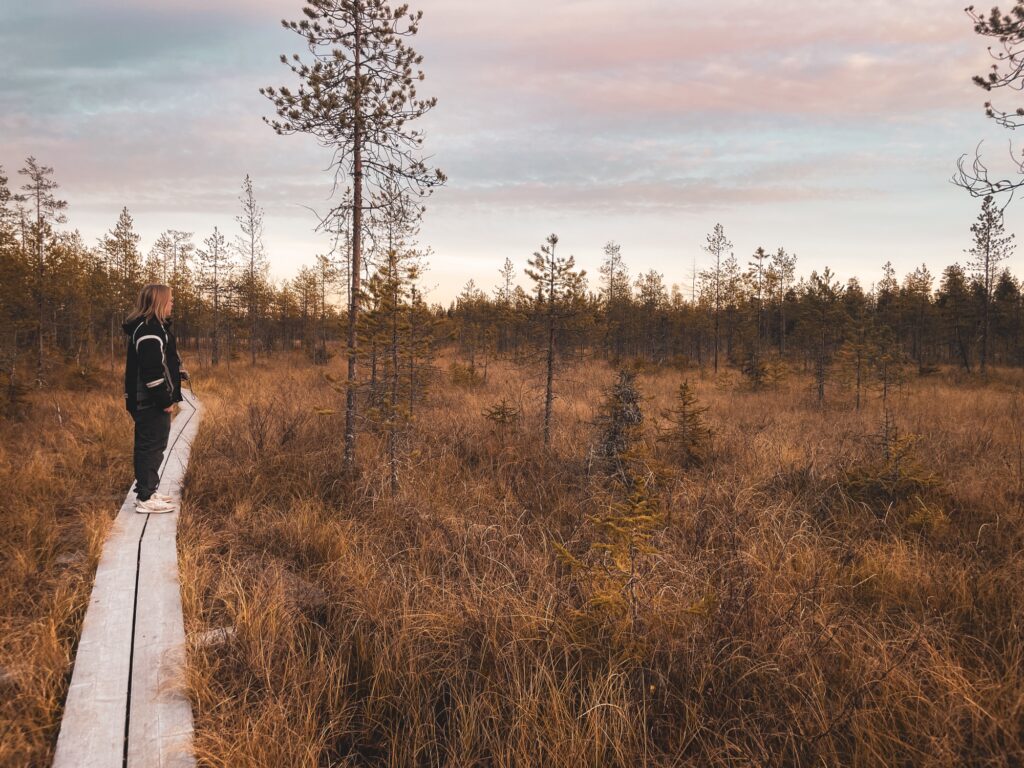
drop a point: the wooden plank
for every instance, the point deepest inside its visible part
(160, 721)
(92, 728)
(92, 732)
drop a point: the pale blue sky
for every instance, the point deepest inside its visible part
(832, 133)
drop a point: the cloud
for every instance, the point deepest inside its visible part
(655, 59)
(582, 106)
(639, 197)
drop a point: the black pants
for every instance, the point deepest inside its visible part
(152, 426)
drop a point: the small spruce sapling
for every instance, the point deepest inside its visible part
(503, 414)
(620, 421)
(689, 437)
(615, 565)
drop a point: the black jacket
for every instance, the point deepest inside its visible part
(152, 372)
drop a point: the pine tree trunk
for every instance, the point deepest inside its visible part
(252, 307)
(782, 328)
(412, 368)
(717, 331)
(392, 448)
(718, 305)
(357, 223)
(40, 302)
(549, 390)
(215, 340)
(985, 325)
(819, 371)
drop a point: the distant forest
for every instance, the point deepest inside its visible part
(62, 300)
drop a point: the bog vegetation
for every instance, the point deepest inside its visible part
(65, 465)
(767, 582)
(752, 517)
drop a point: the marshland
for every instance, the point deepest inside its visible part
(545, 458)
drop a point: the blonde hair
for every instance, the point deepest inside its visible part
(153, 302)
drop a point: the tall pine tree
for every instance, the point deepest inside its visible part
(991, 247)
(558, 284)
(356, 95)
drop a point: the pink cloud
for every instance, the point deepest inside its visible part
(669, 57)
(599, 33)
(637, 196)
(659, 58)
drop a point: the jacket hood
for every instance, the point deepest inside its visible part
(129, 326)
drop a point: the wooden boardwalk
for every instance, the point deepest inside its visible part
(125, 705)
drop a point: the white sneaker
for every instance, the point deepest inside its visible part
(153, 505)
(164, 497)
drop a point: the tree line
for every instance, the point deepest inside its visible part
(759, 318)
(63, 297)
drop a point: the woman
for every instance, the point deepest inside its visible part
(152, 384)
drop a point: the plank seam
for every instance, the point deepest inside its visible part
(131, 651)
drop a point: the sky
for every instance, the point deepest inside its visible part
(830, 129)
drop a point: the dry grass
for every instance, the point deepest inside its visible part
(65, 465)
(798, 610)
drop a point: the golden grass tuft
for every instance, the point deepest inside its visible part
(65, 465)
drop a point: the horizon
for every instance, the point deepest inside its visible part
(594, 123)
